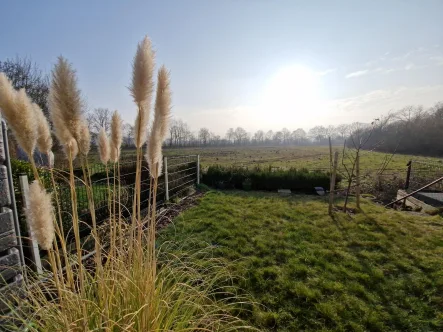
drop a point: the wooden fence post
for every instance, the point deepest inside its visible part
(165, 166)
(357, 175)
(332, 188)
(24, 188)
(198, 169)
(408, 174)
(330, 155)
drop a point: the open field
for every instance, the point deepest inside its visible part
(311, 157)
(379, 270)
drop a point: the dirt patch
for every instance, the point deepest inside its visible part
(171, 211)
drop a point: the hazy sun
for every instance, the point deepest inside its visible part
(292, 92)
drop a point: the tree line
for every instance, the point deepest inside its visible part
(180, 135)
(410, 130)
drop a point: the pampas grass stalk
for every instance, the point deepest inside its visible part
(103, 147)
(66, 99)
(20, 114)
(39, 213)
(141, 90)
(18, 111)
(154, 154)
(116, 142)
(44, 138)
(65, 106)
(127, 293)
(84, 142)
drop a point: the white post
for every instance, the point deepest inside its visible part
(24, 187)
(165, 166)
(198, 169)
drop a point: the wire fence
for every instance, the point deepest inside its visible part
(116, 183)
(421, 173)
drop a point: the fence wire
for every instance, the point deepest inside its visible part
(182, 177)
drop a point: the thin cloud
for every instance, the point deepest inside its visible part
(358, 73)
(326, 72)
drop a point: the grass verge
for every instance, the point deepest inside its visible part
(378, 270)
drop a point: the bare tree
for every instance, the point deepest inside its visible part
(343, 130)
(23, 73)
(99, 118)
(298, 136)
(259, 136)
(360, 135)
(240, 135)
(230, 134)
(204, 135)
(128, 135)
(286, 135)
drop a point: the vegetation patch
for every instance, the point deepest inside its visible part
(258, 178)
(378, 270)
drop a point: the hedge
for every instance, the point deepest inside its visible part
(298, 180)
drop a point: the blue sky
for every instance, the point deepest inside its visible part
(256, 64)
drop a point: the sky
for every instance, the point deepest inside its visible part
(256, 64)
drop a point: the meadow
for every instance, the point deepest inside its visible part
(378, 270)
(310, 157)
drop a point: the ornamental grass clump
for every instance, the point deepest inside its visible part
(126, 286)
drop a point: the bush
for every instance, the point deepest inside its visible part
(301, 180)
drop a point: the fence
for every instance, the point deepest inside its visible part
(180, 174)
(421, 173)
(11, 254)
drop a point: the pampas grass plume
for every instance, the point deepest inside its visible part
(44, 139)
(142, 88)
(40, 215)
(161, 121)
(19, 113)
(103, 146)
(84, 142)
(50, 159)
(142, 74)
(7, 98)
(116, 136)
(71, 148)
(65, 101)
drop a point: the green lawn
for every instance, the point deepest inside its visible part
(379, 270)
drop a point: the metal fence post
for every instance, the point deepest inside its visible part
(198, 169)
(24, 188)
(165, 166)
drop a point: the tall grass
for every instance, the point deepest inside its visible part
(126, 287)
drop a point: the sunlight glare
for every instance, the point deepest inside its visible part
(293, 93)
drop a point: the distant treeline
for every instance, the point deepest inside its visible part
(411, 130)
